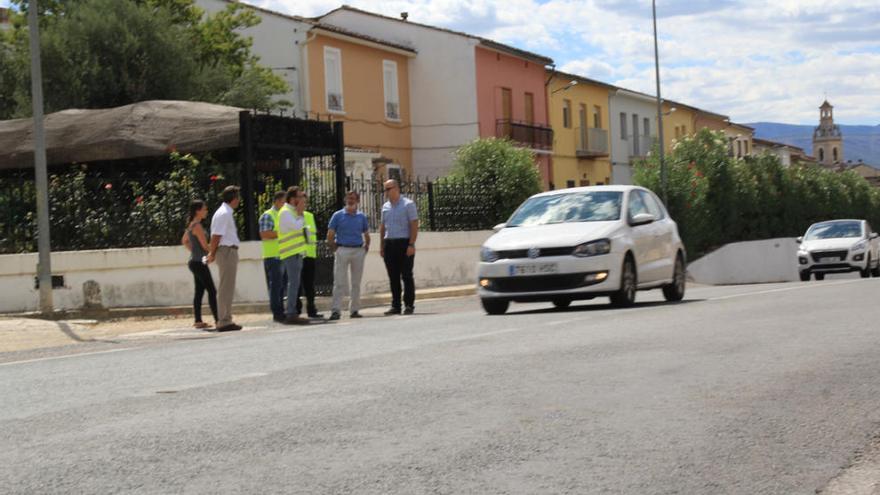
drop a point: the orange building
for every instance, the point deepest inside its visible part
(364, 82)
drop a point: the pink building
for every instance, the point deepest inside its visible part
(512, 99)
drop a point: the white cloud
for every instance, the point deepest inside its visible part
(770, 60)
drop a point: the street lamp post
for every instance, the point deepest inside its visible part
(44, 265)
(659, 105)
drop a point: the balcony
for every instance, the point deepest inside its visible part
(641, 145)
(530, 135)
(593, 143)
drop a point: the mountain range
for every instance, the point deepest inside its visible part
(860, 142)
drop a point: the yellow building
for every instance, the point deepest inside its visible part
(363, 82)
(678, 122)
(740, 138)
(579, 117)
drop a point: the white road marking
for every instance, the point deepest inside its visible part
(786, 289)
(66, 356)
(484, 334)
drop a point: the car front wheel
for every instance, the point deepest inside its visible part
(805, 276)
(495, 306)
(626, 296)
(675, 291)
(562, 303)
(867, 271)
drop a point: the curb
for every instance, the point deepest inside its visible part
(323, 303)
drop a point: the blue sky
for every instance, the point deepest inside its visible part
(755, 60)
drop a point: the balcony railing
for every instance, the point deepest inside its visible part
(531, 135)
(640, 145)
(593, 143)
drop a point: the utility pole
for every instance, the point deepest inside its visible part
(659, 106)
(44, 265)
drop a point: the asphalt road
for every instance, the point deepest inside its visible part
(748, 389)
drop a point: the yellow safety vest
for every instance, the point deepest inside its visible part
(312, 240)
(270, 246)
(289, 243)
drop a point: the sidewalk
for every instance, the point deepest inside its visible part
(22, 333)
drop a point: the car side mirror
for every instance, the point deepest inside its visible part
(799, 240)
(874, 235)
(642, 219)
(499, 227)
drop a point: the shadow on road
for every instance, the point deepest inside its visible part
(599, 307)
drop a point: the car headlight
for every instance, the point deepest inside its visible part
(488, 255)
(593, 248)
(860, 245)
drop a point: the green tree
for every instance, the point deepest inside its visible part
(507, 172)
(105, 53)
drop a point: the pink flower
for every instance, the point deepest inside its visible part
(108, 186)
(139, 200)
(214, 178)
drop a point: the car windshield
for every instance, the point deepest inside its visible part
(834, 230)
(595, 206)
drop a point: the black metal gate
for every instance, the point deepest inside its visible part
(278, 152)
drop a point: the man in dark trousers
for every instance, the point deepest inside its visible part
(307, 284)
(397, 234)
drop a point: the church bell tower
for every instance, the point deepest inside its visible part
(827, 139)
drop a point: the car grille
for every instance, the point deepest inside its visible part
(817, 255)
(524, 253)
(539, 283)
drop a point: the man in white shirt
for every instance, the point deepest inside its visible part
(290, 223)
(224, 250)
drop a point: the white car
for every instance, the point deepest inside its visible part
(580, 243)
(838, 246)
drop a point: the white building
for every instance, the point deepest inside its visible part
(633, 131)
(785, 152)
(443, 82)
(279, 41)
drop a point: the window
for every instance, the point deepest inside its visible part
(652, 205)
(739, 149)
(821, 155)
(583, 127)
(585, 183)
(530, 108)
(636, 205)
(746, 147)
(677, 132)
(392, 96)
(568, 206)
(566, 114)
(333, 79)
(834, 153)
(646, 123)
(635, 139)
(623, 133)
(394, 172)
(597, 117)
(569, 183)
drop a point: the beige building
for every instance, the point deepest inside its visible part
(827, 138)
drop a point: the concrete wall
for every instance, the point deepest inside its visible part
(754, 262)
(278, 42)
(158, 276)
(443, 85)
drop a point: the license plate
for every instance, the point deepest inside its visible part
(829, 260)
(535, 269)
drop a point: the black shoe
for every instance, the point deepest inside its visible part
(355, 314)
(296, 320)
(334, 316)
(392, 311)
(279, 319)
(409, 310)
(315, 315)
(232, 327)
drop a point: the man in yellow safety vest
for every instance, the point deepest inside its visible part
(307, 284)
(292, 248)
(275, 279)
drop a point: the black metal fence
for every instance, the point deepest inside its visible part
(444, 204)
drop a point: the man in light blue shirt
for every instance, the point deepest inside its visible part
(398, 232)
(348, 235)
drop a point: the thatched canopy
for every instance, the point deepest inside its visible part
(150, 128)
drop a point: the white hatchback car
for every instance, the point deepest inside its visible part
(838, 246)
(580, 243)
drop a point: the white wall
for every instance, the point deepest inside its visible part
(753, 262)
(442, 81)
(621, 147)
(277, 41)
(158, 276)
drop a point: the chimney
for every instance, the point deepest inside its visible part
(404, 16)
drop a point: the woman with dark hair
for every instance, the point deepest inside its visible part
(197, 243)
